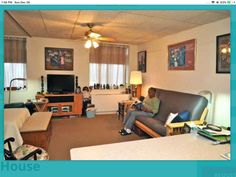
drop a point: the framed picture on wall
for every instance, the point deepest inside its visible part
(223, 53)
(58, 58)
(181, 56)
(142, 60)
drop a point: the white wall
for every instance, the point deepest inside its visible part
(36, 64)
(204, 76)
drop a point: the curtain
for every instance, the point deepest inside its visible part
(109, 54)
(14, 61)
(14, 50)
(109, 64)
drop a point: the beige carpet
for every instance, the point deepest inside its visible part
(70, 133)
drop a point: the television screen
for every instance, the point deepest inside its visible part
(60, 83)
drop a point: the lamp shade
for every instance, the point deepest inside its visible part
(88, 44)
(135, 77)
(95, 44)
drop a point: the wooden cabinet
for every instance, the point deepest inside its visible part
(79, 103)
(63, 104)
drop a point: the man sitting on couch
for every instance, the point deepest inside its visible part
(149, 109)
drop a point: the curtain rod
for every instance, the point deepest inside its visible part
(117, 44)
(15, 37)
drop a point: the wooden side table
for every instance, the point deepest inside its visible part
(40, 105)
(123, 108)
(120, 112)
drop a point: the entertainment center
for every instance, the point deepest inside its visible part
(62, 101)
(63, 104)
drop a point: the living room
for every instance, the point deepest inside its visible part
(150, 31)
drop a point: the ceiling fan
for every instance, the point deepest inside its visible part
(93, 38)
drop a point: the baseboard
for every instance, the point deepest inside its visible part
(105, 112)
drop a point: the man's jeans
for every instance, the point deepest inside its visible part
(131, 117)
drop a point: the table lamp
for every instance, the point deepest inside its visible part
(19, 79)
(135, 79)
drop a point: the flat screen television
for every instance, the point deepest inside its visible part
(60, 84)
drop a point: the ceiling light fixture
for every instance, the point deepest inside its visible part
(94, 35)
(88, 44)
(95, 44)
(91, 43)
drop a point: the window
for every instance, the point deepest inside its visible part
(14, 70)
(107, 74)
(14, 62)
(108, 64)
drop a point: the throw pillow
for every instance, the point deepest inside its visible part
(185, 115)
(177, 119)
(182, 117)
(170, 118)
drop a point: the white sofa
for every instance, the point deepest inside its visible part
(19, 120)
(14, 119)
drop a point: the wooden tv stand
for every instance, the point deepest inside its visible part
(63, 104)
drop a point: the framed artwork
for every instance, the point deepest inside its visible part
(58, 58)
(223, 53)
(142, 60)
(181, 55)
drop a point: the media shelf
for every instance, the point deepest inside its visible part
(63, 104)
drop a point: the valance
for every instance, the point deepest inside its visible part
(14, 50)
(109, 54)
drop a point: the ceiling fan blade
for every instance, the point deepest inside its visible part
(91, 24)
(108, 39)
(90, 34)
(80, 37)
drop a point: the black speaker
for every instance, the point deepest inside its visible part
(42, 84)
(76, 82)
